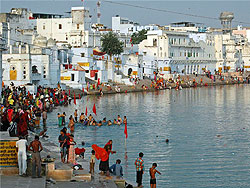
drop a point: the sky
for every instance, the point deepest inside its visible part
(201, 8)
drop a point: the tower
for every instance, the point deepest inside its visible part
(226, 21)
(98, 12)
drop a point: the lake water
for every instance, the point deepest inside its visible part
(208, 129)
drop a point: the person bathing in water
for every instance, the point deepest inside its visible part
(82, 117)
(119, 120)
(109, 122)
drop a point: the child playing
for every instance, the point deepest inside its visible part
(152, 172)
(92, 163)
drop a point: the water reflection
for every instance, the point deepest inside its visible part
(208, 129)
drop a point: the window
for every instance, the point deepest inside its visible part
(24, 72)
(72, 77)
(82, 54)
(24, 77)
(154, 42)
(60, 26)
(44, 76)
(77, 26)
(43, 27)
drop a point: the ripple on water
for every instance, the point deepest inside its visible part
(208, 129)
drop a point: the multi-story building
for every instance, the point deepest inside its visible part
(37, 64)
(181, 52)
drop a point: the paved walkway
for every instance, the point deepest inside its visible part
(22, 182)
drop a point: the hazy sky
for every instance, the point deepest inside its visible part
(241, 10)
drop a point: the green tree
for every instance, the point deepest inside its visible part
(138, 37)
(111, 44)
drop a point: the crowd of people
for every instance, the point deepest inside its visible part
(83, 119)
(22, 111)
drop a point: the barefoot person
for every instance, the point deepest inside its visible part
(125, 120)
(36, 147)
(75, 114)
(71, 155)
(152, 172)
(21, 144)
(63, 144)
(71, 124)
(139, 165)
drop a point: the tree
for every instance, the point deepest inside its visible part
(111, 44)
(136, 38)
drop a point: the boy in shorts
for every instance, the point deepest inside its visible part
(152, 172)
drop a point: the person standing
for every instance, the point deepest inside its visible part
(63, 144)
(92, 162)
(71, 155)
(21, 144)
(44, 118)
(63, 118)
(152, 172)
(139, 165)
(36, 147)
(75, 114)
(71, 125)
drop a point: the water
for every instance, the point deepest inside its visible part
(208, 129)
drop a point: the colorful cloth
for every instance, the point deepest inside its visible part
(139, 164)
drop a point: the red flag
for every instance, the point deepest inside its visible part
(94, 109)
(126, 130)
(69, 92)
(74, 98)
(87, 88)
(83, 90)
(98, 82)
(86, 111)
(79, 96)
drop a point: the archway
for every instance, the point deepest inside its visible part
(130, 71)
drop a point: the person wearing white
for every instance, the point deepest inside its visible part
(21, 144)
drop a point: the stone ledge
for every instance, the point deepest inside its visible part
(9, 171)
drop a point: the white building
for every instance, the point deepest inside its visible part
(19, 26)
(36, 64)
(126, 26)
(180, 52)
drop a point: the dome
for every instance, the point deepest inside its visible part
(51, 42)
(40, 41)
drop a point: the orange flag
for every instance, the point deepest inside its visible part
(94, 109)
(74, 98)
(126, 130)
(86, 111)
